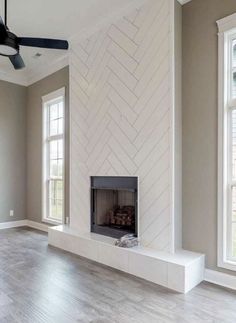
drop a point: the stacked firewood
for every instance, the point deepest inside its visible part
(122, 216)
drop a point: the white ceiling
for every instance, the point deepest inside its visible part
(52, 19)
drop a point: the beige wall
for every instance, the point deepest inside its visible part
(34, 139)
(13, 151)
(200, 124)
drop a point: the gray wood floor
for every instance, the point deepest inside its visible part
(43, 284)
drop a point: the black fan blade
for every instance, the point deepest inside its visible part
(17, 62)
(43, 43)
(3, 30)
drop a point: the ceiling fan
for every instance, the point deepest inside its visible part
(10, 43)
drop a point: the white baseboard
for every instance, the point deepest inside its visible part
(13, 224)
(222, 279)
(23, 223)
(37, 225)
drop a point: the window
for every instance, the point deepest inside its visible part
(227, 144)
(53, 157)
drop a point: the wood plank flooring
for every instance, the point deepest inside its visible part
(43, 284)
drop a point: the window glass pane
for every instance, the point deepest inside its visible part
(234, 144)
(234, 53)
(233, 72)
(53, 208)
(56, 158)
(234, 85)
(234, 240)
(52, 190)
(53, 168)
(56, 209)
(59, 193)
(53, 111)
(53, 127)
(53, 149)
(56, 168)
(60, 168)
(234, 224)
(234, 204)
(59, 209)
(60, 126)
(60, 148)
(56, 194)
(60, 110)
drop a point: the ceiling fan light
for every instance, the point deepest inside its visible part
(6, 50)
(9, 46)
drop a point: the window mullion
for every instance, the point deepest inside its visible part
(56, 137)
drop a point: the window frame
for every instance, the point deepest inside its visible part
(227, 32)
(46, 101)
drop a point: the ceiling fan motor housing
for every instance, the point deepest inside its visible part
(9, 45)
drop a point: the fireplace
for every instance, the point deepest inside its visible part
(114, 205)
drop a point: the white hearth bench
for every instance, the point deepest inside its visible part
(180, 271)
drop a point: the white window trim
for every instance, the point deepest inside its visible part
(227, 27)
(46, 99)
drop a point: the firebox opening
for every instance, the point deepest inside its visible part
(114, 208)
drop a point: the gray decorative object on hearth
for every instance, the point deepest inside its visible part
(127, 241)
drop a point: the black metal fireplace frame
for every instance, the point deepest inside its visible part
(113, 183)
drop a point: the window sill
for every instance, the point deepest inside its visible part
(230, 265)
(53, 222)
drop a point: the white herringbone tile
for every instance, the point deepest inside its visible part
(120, 115)
(122, 122)
(124, 75)
(152, 140)
(132, 16)
(147, 23)
(122, 106)
(122, 90)
(119, 151)
(152, 122)
(74, 57)
(154, 155)
(159, 206)
(122, 40)
(120, 54)
(152, 103)
(152, 67)
(117, 133)
(127, 27)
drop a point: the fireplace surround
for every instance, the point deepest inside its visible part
(125, 124)
(114, 205)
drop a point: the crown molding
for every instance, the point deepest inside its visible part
(39, 74)
(14, 78)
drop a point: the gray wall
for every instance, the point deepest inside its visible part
(34, 140)
(13, 151)
(200, 124)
